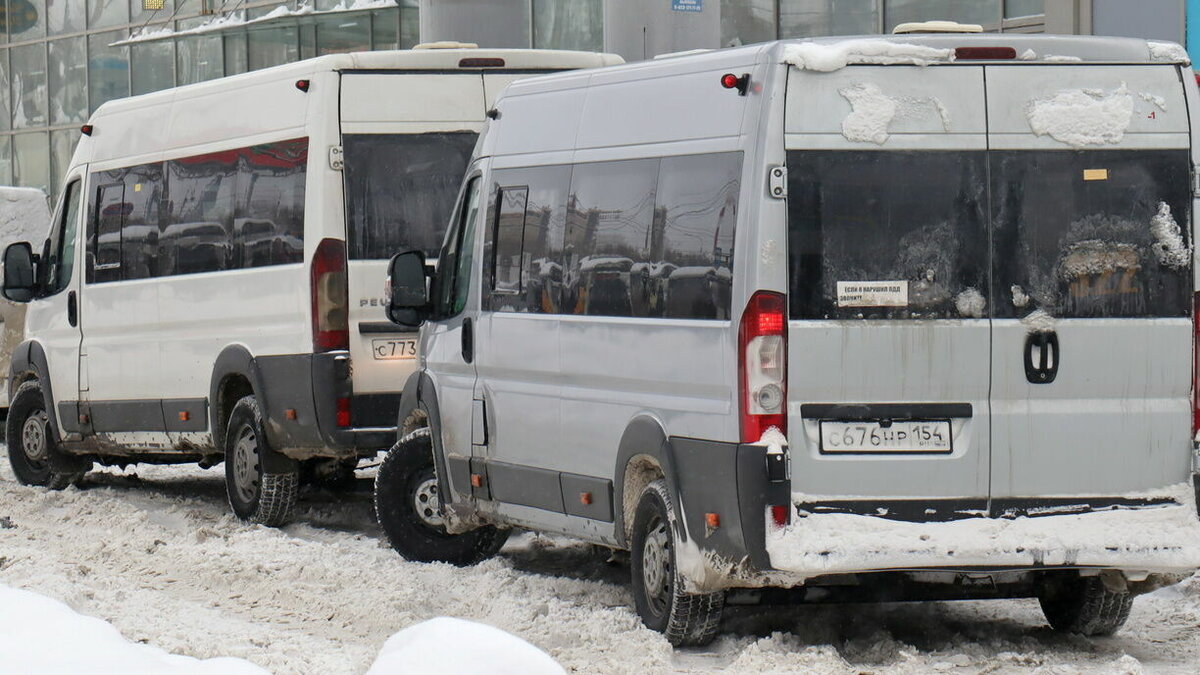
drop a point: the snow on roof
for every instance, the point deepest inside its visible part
(838, 55)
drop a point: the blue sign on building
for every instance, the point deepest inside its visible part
(687, 5)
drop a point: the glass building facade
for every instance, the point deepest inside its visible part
(61, 59)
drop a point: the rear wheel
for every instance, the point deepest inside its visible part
(408, 504)
(1084, 606)
(260, 482)
(32, 449)
(685, 618)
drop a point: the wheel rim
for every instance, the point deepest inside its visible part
(245, 464)
(33, 438)
(427, 503)
(656, 566)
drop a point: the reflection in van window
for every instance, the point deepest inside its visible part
(268, 221)
(510, 230)
(912, 222)
(540, 240)
(104, 241)
(609, 214)
(400, 189)
(201, 214)
(1097, 233)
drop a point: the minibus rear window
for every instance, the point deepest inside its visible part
(400, 190)
(887, 235)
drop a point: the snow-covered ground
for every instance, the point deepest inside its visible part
(155, 552)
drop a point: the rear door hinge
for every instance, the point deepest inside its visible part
(335, 158)
(777, 182)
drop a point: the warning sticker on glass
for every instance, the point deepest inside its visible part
(872, 294)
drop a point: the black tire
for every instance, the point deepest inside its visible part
(686, 619)
(261, 483)
(1084, 606)
(33, 451)
(408, 507)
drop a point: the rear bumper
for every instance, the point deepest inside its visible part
(1162, 538)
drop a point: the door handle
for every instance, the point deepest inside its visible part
(468, 340)
(1042, 368)
(72, 309)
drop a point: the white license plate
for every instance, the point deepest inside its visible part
(399, 348)
(910, 436)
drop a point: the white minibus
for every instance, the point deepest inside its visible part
(211, 284)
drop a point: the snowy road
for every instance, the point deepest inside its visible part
(158, 555)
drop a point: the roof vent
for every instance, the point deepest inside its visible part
(447, 44)
(936, 27)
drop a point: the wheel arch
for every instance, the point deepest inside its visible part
(234, 375)
(29, 362)
(644, 455)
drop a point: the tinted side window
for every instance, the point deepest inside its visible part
(690, 275)
(509, 232)
(887, 235)
(104, 232)
(61, 253)
(198, 232)
(538, 271)
(144, 193)
(400, 190)
(451, 284)
(609, 216)
(268, 222)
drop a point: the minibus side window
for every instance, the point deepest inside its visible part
(451, 285)
(523, 270)
(508, 238)
(62, 242)
(106, 244)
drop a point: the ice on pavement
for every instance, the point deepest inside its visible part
(42, 635)
(448, 646)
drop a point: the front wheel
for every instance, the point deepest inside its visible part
(687, 619)
(32, 449)
(260, 482)
(408, 504)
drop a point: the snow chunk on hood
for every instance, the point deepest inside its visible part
(830, 57)
(1080, 117)
(1169, 246)
(446, 646)
(1168, 52)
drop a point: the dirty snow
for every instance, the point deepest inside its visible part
(156, 553)
(1081, 117)
(835, 56)
(1168, 245)
(1168, 51)
(970, 303)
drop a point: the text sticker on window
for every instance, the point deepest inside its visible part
(872, 293)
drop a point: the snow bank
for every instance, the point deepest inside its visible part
(829, 57)
(1080, 117)
(1160, 539)
(41, 635)
(24, 216)
(446, 646)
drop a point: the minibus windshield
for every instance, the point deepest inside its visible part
(400, 190)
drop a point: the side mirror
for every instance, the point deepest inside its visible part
(408, 292)
(20, 272)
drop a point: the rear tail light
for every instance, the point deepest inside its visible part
(330, 303)
(762, 366)
(779, 515)
(343, 411)
(984, 53)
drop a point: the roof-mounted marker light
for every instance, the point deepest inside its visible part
(480, 62)
(302, 85)
(984, 53)
(87, 128)
(731, 81)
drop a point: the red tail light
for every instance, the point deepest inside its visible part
(779, 515)
(762, 366)
(330, 303)
(984, 53)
